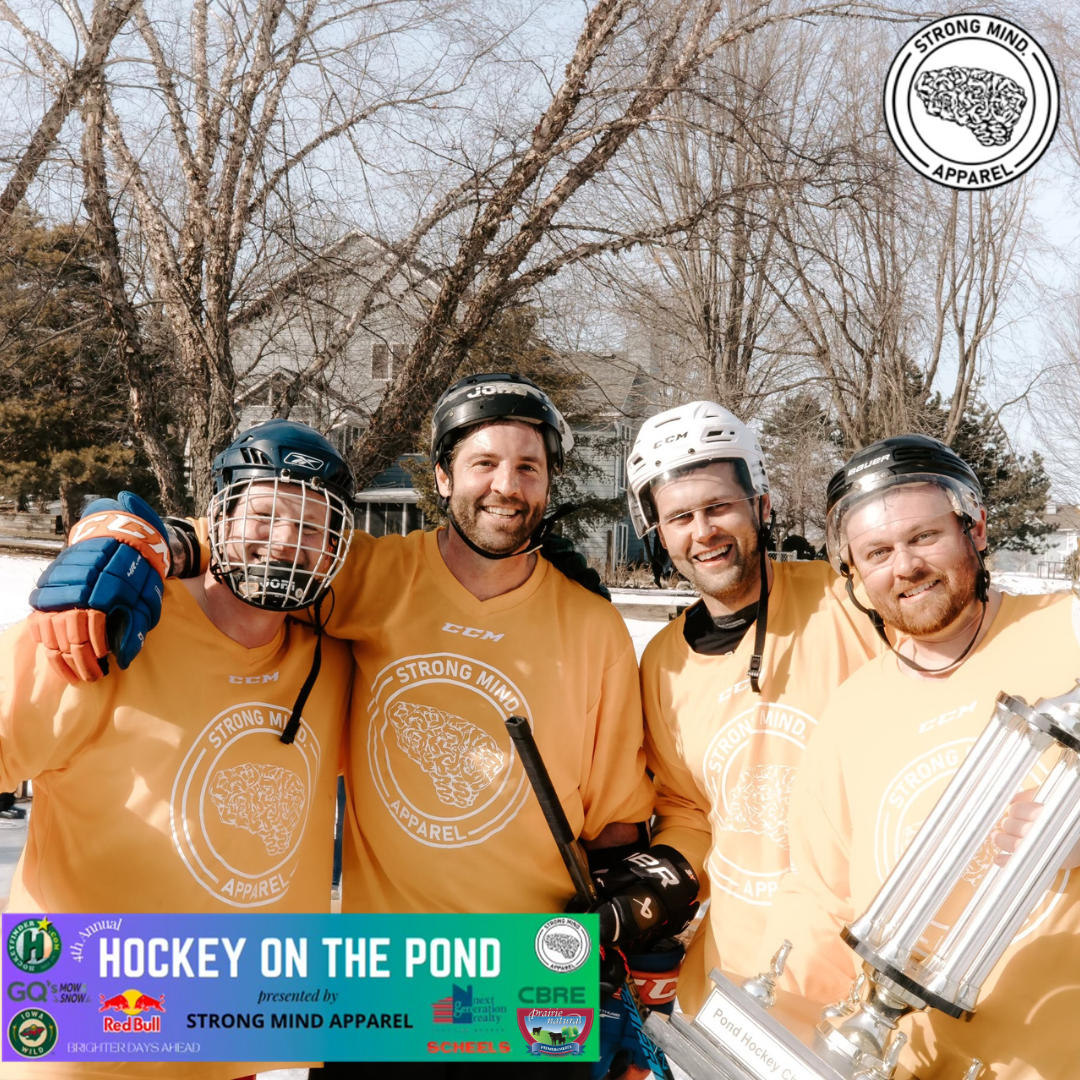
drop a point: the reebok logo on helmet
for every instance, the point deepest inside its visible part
(303, 460)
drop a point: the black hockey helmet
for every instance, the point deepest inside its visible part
(287, 449)
(280, 551)
(497, 396)
(902, 459)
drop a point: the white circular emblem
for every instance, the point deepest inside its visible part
(240, 804)
(562, 945)
(971, 101)
(441, 761)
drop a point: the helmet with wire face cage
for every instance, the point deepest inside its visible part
(281, 515)
(889, 464)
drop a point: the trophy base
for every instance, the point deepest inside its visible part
(922, 995)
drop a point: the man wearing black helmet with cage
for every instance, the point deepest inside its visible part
(905, 519)
(217, 799)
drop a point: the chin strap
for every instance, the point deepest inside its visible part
(762, 621)
(982, 594)
(535, 542)
(293, 726)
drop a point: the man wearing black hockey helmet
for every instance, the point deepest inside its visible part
(901, 480)
(154, 800)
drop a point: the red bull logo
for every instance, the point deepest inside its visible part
(132, 1003)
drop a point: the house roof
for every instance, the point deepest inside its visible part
(1062, 518)
(614, 385)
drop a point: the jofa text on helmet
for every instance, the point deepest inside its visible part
(499, 388)
(670, 439)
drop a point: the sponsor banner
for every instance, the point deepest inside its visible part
(251, 987)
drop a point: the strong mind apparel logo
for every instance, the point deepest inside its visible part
(440, 758)
(241, 801)
(749, 769)
(971, 101)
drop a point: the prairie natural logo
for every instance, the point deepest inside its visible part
(555, 1032)
(971, 101)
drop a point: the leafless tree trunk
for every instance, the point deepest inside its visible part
(108, 18)
(146, 408)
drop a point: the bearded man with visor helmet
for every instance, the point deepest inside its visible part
(906, 521)
(139, 818)
(732, 688)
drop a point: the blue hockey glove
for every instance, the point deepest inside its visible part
(103, 592)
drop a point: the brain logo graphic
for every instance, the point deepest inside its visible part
(461, 758)
(566, 945)
(986, 103)
(758, 803)
(266, 800)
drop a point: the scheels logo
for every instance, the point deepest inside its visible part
(971, 101)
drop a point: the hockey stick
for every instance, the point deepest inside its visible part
(577, 865)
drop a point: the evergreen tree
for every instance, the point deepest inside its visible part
(64, 423)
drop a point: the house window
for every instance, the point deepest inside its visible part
(382, 519)
(386, 359)
(622, 538)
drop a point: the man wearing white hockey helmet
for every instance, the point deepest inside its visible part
(906, 518)
(732, 689)
(154, 801)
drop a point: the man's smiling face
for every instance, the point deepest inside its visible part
(709, 526)
(916, 563)
(500, 484)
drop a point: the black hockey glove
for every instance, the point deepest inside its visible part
(644, 896)
(566, 558)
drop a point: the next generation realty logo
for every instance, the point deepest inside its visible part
(971, 101)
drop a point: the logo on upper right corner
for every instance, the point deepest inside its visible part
(971, 101)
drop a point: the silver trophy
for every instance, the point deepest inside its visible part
(908, 964)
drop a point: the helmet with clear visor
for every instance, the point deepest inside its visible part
(682, 438)
(281, 515)
(885, 466)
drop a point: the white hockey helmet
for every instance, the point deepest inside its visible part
(686, 437)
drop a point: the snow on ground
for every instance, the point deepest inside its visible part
(18, 575)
